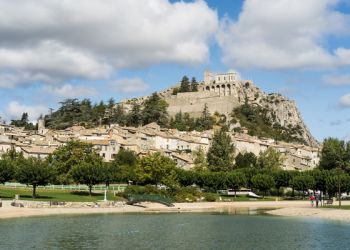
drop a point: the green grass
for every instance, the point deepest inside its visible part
(245, 198)
(345, 207)
(55, 195)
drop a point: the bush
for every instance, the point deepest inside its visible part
(186, 194)
(210, 197)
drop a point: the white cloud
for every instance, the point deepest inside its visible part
(284, 34)
(337, 80)
(128, 85)
(89, 39)
(14, 110)
(345, 101)
(70, 91)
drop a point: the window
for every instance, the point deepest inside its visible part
(104, 155)
(106, 148)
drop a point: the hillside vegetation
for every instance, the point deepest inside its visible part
(258, 123)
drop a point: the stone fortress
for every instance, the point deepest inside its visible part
(223, 92)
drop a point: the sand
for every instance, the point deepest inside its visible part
(280, 208)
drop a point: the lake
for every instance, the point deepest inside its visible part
(172, 231)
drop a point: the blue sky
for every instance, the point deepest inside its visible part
(52, 50)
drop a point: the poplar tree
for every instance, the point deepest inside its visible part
(221, 152)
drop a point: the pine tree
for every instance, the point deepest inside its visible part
(221, 152)
(185, 85)
(134, 118)
(194, 85)
(155, 110)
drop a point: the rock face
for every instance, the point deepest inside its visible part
(224, 92)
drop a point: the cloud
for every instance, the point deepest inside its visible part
(90, 39)
(284, 34)
(337, 80)
(345, 101)
(70, 91)
(14, 110)
(128, 85)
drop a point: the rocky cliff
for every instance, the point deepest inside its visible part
(223, 97)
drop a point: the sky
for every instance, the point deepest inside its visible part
(51, 50)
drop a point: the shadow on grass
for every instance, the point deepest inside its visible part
(83, 193)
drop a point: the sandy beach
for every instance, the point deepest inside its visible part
(279, 208)
(7, 211)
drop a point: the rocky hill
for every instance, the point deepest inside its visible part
(243, 104)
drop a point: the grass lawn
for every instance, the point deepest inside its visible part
(54, 195)
(245, 198)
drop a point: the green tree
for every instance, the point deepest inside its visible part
(282, 179)
(270, 159)
(236, 180)
(205, 122)
(194, 85)
(157, 169)
(246, 160)
(35, 172)
(263, 182)
(221, 152)
(185, 85)
(303, 182)
(155, 110)
(88, 173)
(6, 170)
(335, 154)
(134, 117)
(125, 157)
(200, 161)
(73, 153)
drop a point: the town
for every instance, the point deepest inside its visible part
(178, 145)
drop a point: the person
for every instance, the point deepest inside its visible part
(317, 200)
(312, 198)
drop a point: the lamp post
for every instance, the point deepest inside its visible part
(105, 198)
(339, 184)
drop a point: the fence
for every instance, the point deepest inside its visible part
(117, 188)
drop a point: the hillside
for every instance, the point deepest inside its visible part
(242, 104)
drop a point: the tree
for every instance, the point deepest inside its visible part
(236, 180)
(270, 159)
(185, 85)
(35, 172)
(282, 178)
(335, 154)
(303, 182)
(221, 152)
(125, 157)
(194, 85)
(263, 182)
(155, 110)
(157, 169)
(200, 161)
(6, 170)
(88, 173)
(73, 153)
(205, 122)
(134, 117)
(246, 160)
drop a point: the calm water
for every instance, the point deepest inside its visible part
(172, 231)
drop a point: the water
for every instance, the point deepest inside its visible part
(172, 231)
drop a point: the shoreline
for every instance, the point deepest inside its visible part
(296, 209)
